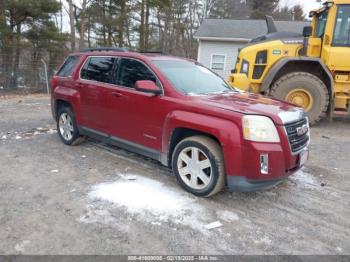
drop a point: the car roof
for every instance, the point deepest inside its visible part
(146, 55)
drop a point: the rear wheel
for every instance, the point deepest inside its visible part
(66, 126)
(304, 90)
(198, 165)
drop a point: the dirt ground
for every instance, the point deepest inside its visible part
(89, 199)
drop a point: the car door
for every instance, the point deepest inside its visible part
(95, 75)
(135, 116)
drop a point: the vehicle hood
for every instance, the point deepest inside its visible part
(246, 103)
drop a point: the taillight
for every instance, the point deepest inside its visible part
(53, 83)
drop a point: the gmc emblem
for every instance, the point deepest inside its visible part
(302, 130)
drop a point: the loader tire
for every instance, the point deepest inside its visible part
(305, 90)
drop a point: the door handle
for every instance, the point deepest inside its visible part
(79, 85)
(117, 94)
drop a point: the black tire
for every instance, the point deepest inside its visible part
(213, 152)
(312, 84)
(75, 133)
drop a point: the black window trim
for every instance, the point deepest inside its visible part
(65, 60)
(150, 69)
(335, 24)
(87, 59)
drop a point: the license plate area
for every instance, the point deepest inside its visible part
(303, 157)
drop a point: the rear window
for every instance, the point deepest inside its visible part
(99, 69)
(68, 66)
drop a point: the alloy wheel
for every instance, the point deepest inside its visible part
(194, 168)
(66, 127)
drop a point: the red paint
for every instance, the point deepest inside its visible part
(149, 120)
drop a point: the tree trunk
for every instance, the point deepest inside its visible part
(121, 24)
(72, 27)
(82, 25)
(142, 27)
(147, 31)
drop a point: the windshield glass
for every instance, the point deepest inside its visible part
(191, 78)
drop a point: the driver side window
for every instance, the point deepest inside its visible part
(130, 71)
(342, 28)
(321, 24)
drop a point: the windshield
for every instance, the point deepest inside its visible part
(191, 78)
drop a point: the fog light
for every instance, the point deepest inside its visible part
(264, 164)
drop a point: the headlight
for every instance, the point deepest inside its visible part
(259, 129)
(245, 67)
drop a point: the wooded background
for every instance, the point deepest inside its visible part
(32, 32)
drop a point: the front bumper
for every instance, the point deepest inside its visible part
(241, 184)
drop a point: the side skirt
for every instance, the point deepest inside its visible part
(122, 143)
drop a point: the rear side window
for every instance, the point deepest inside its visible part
(131, 71)
(68, 66)
(99, 69)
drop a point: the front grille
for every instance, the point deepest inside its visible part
(297, 141)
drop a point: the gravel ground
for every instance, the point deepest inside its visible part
(92, 199)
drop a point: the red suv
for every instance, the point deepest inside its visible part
(182, 114)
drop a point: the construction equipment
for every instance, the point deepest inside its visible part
(310, 70)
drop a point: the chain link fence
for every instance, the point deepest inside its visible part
(29, 70)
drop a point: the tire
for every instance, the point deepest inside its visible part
(212, 178)
(308, 83)
(70, 126)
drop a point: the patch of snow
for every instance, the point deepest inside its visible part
(52, 131)
(264, 240)
(152, 201)
(20, 246)
(54, 171)
(339, 249)
(213, 225)
(83, 156)
(227, 216)
(4, 137)
(18, 137)
(304, 179)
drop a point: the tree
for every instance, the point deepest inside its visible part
(16, 18)
(72, 24)
(260, 8)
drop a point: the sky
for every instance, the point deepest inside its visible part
(308, 5)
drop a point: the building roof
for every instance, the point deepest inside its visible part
(242, 30)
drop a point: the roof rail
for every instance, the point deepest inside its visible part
(99, 49)
(151, 52)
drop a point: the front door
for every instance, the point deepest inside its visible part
(135, 116)
(336, 52)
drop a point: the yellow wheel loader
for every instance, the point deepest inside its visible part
(310, 70)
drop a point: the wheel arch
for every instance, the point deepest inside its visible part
(60, 103)
(313, 66)
(180, 133)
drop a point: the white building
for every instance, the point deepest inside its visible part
(220, 39)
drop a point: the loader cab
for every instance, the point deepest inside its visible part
(330, 39)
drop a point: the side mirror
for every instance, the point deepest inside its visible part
(147, 86)
(307, 31)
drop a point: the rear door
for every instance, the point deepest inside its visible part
(95, 75)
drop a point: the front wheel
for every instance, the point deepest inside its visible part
(198, 165)
(305, 90)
